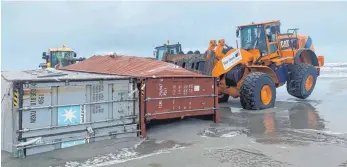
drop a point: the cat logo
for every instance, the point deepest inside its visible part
(15, 99)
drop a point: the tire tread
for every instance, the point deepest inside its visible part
(247, 90)
(296, 78)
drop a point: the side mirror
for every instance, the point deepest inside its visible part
(274, 29)
(44, 55)
(237, 33)
(74, 54)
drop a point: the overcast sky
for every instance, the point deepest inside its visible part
(134, 28)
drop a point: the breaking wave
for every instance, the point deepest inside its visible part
(334, 70)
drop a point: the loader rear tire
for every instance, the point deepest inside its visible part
(301, 80)
(223, 98)
(258, 91)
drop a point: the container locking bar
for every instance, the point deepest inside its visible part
(57, 142)
(56, 106)
(178, 111)
(179, 97)
(85, 123)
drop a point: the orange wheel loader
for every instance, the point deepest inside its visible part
(265, 60)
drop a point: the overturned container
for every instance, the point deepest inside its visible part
(166, 90)
(177, 97)
(44, 110)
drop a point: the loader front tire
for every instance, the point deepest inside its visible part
(301, 80)
(258, 91)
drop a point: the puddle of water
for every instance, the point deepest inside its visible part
(294, 123)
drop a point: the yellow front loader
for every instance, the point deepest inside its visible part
(59, 57)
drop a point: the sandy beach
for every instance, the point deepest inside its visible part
(298, 133)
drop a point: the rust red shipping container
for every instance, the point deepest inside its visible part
(166, 90)
(166, 98)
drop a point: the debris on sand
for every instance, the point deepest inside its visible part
(243, 157)
(221, 132)
(305, 137)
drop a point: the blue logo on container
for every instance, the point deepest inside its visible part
(70, 115)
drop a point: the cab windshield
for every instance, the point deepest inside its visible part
(253, 37)
(57, 57)
(170, 49)
(160, 52)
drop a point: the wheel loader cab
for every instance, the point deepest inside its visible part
(173, 49)
(253, 37)
(58, 57)
(262, 37)
(159, 52)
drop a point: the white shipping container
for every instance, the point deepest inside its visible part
(44, 110)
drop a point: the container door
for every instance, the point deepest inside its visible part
(38, 117)
(177, 97)
(71, 111)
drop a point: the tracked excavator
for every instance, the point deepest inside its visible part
(59, 57)
(266, 59)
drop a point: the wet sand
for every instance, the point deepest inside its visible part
(311, 132)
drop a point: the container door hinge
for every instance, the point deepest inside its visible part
(90, 131)
(125, 129)
(132, 91)
(113, 134)
(26, 85)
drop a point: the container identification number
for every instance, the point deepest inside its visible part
(32, 116)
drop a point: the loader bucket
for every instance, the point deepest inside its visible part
(210, 60)
(199, 63)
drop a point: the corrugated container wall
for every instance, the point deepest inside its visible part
(164, 98)
(130, 66)
(48, 115)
